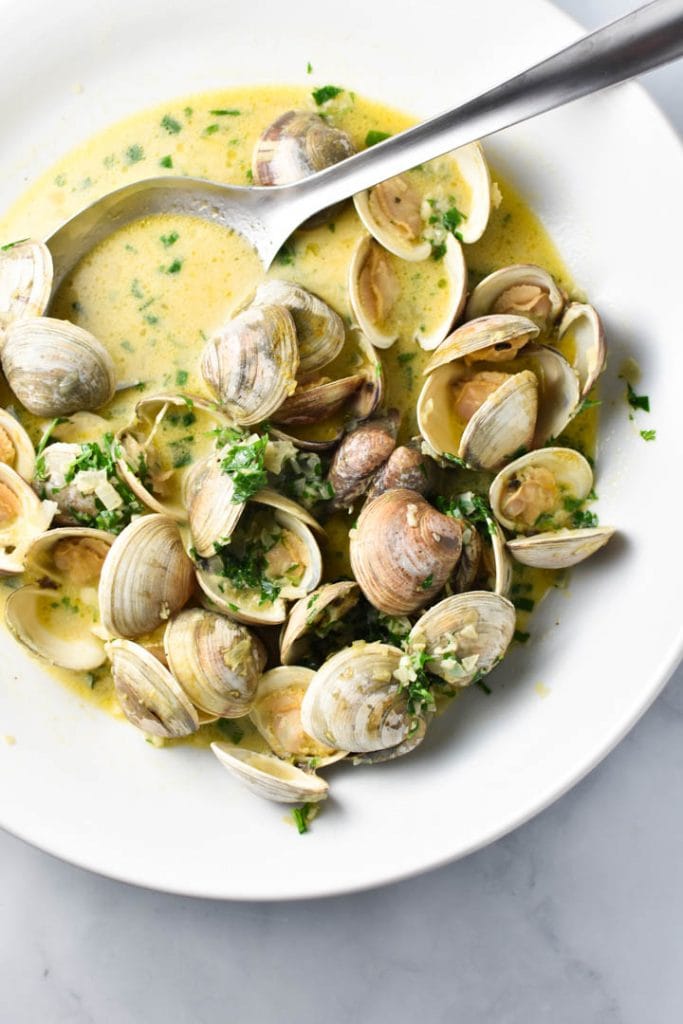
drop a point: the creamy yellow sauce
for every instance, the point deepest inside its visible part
(156, 290)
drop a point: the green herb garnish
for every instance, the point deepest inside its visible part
(134, 154)
(170, 124)
(373, 137)
(224, 112)
(243, 461)
(325, 93)
(181, 378)
(166, 161)
(303, 816)
(170, 239)
(648, 435)
(637, 401)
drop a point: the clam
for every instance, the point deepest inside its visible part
(149, 696)
(355, 702)
(25, 282)
(16, 449)
(146, 577)
(23, 516)
(541, 490)
(360, 454)
(271, 557)
(55, 368)
(374, 289)
(582, 324)
(522, 289)
(464, 636)
(403, 217)
(276, 713)
(251, 363)
(560, 549)
(154, 451)
(559, 395)
(316, 612)
(57, 630)
(403, 551)
(484, 563)
(70, 555)
(212, 512)
(217, 662)
(319, 330)
(297, 144)
(487, 339)
(269, 776)
(408, 467)
(467, 569)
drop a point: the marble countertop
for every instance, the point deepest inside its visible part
(573, 918)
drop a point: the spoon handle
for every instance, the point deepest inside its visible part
(647, 37)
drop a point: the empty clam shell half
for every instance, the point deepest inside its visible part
(560, 549)
(57, 631)
(269, 777)
(149, 696)
(582, 326)
(328, 604)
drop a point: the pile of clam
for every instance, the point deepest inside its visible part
(209, 603)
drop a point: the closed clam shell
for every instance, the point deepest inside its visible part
(465, 635)
(251, 363)
(55, 368)
(150, 697)
(468, 564)
(25, 282)
(319, 330)
(523, 289)
(269, 776)
(354, 702)
(23, 517)
(408, 467)
(327, 604)
(403, 551)
(217, 662)
(146, 577)
(538, 488)
(361, 453)
(276, 713)
(16, 448)
(212, 512)
(295, 145)
(28, 614)
(559, 549)
(590, 351)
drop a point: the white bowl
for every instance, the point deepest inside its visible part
(605, 177)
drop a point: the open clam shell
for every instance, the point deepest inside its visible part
(276, 713)
(146, 577)
(16, 448)
(374, 289)
(23, 516)
(523, 289)
(25, 282)
(61, 635)
(70, 554)
(150, 697)
(465, 635)
(403, 551)
(559, 394)
(319, 330)
(541, 488)
(487, 339)
(55, 368)
(354, 701)
(560, 549)
(251, 363)
(217, 662)
(324, 606)
(583, 323)
(269, 776)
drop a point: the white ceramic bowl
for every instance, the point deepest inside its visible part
(605, 177)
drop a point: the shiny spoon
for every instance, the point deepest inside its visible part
(266, 217)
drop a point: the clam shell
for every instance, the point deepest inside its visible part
(403, 551)
(510, 289)
(276, 713)
(317, 402)
(560, 549)
(27, 614)
(23, 516)
(589, 340)
(56, 460)
(297, 144)
(492, 338)
(400, 236)
(146, 577)
(570, 471)
(558, 392)
(217, 662)
(329, 602)
(474, 169)
(269, 777)
(319, 330)
(25, 282)
(407, 467)
(55, 368)
(360, 454)
(16, 448)
(70, 554)
(355, 703)
(149, 696)
(465, 636)
(252, 362)
(212, 513)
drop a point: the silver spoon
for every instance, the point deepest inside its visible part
(266, 217)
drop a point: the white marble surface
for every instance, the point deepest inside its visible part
(574, 918)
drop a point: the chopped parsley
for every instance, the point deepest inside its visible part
(303, 478)
(582, 518)
(648, 435)
(470, 506)
(10, 245)
(170, 124)
(243, 461)
(243, 561)
(373, 137)
(173, 268)
(95, 456)
(438, 250)
(170, 239)
(520, 637)
(211, 129)
(427, 582)
(181, 378)
(230, 728)
(134, 154)
(524, 604)
(326, 93)
(286, 253)
(309, 68)
(166, 161)
(637, 401)
(225, 112)
(589, 403)
(303, 816)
